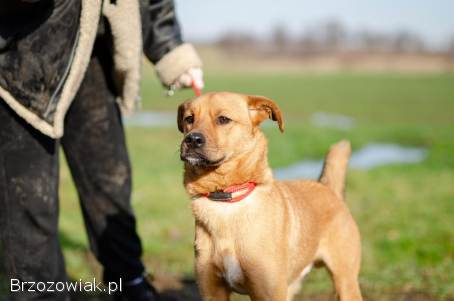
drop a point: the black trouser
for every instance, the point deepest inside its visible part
(95, 148)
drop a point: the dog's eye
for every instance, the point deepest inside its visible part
(189, 119)
(223, 120)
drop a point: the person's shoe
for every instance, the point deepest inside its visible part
(139, 289)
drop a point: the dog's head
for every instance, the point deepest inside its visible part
(220, 126)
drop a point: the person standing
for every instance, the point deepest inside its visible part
(67, 70)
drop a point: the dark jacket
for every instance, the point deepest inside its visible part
(44, 46)
(160, 29)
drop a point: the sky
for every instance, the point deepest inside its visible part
(205, 20)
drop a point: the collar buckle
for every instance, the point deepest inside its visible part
(231, 194)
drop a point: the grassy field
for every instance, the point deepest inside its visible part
(405, 212)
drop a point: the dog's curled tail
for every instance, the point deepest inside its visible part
(335, 167)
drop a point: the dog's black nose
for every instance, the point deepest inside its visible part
(194, 140)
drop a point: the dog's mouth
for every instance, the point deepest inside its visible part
(197, 159)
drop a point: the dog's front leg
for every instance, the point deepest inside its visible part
(268, 283)
(278, 292)
(211, 286)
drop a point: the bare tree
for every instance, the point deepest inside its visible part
(408, 42)
(327, 37)
(372, 41)
(450, 48)
(309, 44)
(280, 38)
(334, 35)
(330, 36)
(235, 41)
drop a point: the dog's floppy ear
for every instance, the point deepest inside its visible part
(180, 116)
(261, 108)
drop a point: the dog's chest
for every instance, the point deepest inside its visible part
(226, 223)
(233, 274)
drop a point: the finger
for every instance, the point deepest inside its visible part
(197, 77)
(185, 80)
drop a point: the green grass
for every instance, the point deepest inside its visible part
(404, 212)
(425, 99)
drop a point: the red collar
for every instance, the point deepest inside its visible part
(231, 194)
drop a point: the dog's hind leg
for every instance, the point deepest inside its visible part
(347, 286)
(341, 253)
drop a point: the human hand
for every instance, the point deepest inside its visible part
(191, 78)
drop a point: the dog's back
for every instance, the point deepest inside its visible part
(324, 195)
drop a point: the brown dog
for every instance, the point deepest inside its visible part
(255, 235)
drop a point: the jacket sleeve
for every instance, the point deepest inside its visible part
(162, 41)
(160, 28)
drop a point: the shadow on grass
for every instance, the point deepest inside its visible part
(187, 291)
(176, 290)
